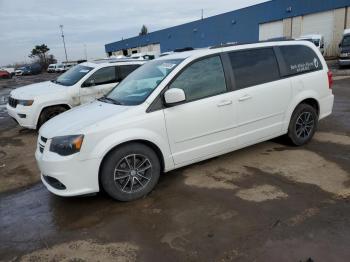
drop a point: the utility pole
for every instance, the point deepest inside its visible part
(64, 43)
(202, 14)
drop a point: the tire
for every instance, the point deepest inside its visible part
(124, 181)
(49, 113)
(303, 125)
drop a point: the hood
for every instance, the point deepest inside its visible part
(75, 120)
(34, 90)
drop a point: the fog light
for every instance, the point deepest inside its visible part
(22, 115)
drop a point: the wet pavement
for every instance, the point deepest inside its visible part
(267, 202)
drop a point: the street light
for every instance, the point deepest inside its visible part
(64, 43)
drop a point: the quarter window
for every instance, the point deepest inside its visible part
(300, 59)
(254, 67)
(202, 79)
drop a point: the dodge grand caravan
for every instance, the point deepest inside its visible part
(33, 105)
(184, 108)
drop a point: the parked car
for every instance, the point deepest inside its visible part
(316, 39)
(181, 109)
(51, 68)
(60, 68)
(5, 75)
(32, 69)
(33, 105)
(11, 70)
(344, 49)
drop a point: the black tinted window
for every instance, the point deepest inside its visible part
(125, 70)
(300, 59)
(254, 67)
(102, 76)
(202, 79)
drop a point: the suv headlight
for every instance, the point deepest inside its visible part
(66, 145)
(25, 102)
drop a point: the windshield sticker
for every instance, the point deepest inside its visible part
(84, 71)
(307, 66)
(168, 65)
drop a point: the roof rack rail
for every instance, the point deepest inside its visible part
(179, 50)
(248, 43)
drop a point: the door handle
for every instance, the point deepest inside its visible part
(244, 98)
(225, 103)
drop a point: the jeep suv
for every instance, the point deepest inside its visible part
(33, 105)
(181, 109)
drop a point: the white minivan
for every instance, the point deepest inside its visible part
(31, 106)
(184, 108)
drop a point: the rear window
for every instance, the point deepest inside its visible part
(300, 59)
(254, 67)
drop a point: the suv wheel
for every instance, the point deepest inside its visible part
(130, 172)
(303, 124)
(49, 113)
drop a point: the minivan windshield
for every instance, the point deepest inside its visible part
(73, 75)
(136, 87)
(346, 40)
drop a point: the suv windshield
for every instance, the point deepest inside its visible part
(73, 75)
(346, 40)
(135, 88)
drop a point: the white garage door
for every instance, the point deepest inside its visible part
(320, 23)
(270, 30)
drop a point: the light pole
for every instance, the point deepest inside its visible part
(85, 51)
(64, 43)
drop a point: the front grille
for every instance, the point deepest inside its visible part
(41, 148)
(41, 144)
(44, 139)
(13, 102)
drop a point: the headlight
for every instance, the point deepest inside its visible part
(66, 145)
(25, 102)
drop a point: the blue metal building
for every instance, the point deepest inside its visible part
(242, 26)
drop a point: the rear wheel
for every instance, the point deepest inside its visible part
(49, 113)
(130, 172)
(303, 124)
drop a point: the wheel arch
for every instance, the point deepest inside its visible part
(148, 143)
(65, 105)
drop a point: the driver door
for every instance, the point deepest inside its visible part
(98, 84)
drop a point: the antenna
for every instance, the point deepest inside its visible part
(64, 43)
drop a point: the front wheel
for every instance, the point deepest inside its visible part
(130, 172)
(49, 113)
(303, 124)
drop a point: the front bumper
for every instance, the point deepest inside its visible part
(78, 177)
(29, 121)
(344, 61)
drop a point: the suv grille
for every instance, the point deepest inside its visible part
(41, 143)
(13, 102)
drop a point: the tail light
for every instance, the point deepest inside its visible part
(330, 79)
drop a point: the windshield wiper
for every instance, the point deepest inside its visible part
(110, 100)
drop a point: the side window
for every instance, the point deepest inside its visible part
(254, 67)
(300, 59)
(202, 79)
(102, 76)
(125, 70)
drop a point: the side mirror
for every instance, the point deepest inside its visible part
(174, 96)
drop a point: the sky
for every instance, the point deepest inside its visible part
(26, 23)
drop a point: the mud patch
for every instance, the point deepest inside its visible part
(85, 251)
(332, 138)
(176, 240)
(261, 193)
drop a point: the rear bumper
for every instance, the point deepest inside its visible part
(344, 61)
(326, 106)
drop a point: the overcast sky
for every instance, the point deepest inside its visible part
(25, 23)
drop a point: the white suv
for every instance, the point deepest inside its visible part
(33, 105)
(181, 109)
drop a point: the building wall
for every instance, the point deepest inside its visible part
(237, 26)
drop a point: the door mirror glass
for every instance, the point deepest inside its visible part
(174, 96)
